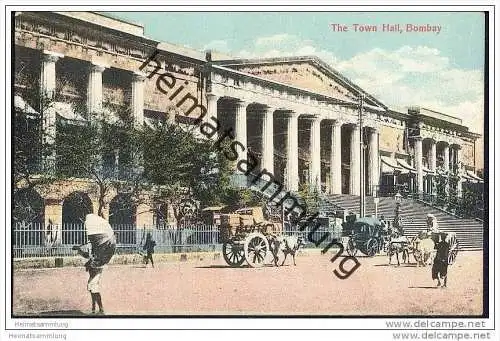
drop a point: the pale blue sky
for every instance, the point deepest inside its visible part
(461, 37)
(441, 71)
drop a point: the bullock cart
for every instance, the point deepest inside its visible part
(246, 236)
(432, 238)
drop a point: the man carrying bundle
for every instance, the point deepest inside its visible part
(99, 250)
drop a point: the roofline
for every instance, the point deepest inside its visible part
(114, 17)
(141, 39)
(440, 113)
(174, 49)
(309, 92)
(461, 128)
(316, 60)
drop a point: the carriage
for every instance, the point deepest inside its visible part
(450, 237)
(367, 235)
(245, 236)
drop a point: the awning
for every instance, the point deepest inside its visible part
(150, 122)
(474, 176)
(20, 103)
(406, 166)
(213, 208)
(65, 110)
(468, 177)
(389, 165)
(427, 170)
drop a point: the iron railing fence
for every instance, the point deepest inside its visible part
(39, 240)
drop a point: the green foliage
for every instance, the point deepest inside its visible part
(91, 149)
(469, 200)
(310, 197)
(441, 181)
(182, 166)
(29, 145)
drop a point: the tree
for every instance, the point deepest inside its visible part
(31, 145)
(180, 167)
(454, 181)
(441, 182)
(311, 198)
(106, 151)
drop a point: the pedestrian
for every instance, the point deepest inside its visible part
(432, 224)
(99, 250)
(94, 267)
(149, 247)
(94, 285)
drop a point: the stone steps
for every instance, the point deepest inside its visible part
(469, 232)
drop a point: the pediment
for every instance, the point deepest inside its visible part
(307, 73)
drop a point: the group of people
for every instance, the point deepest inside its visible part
(396, 228)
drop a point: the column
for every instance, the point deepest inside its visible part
(446, 165)
(241, 128)
(292, 152)
(460, 170)
(452, 158)
(446, 158)
(47, 93)
(211, 111)
(137, 102)
(418, 164)
(268, 141)
(315, 154)
(432, 166)
(373, 157)
(94, 89)
(355, 161)
(335, 160)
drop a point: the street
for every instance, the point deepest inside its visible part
(210, 287)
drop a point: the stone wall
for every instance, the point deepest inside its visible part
(391, 139)
(467, 154)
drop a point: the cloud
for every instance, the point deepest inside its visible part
(284, 45)
(217, 45)
(274, 39)
(409, 75)
(419, 76)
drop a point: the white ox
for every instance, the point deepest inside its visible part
(423, 251)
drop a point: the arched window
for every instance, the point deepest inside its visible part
(160, 218)
(75, 207)
(28, 214)
(122, 218)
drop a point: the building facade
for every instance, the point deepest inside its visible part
(297, 115)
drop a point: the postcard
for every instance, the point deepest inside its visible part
(313, 168)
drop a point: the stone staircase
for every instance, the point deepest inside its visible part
(469, 231)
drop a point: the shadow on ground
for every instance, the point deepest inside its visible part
(56, 313)
(403, 265)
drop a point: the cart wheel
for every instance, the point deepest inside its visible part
(372, 247)
(417, 255)
(452, 254)
(256, 247)
(351, 248)
(233, 254)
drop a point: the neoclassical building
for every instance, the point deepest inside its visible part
(297, 115)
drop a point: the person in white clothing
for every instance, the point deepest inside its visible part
(432, 224)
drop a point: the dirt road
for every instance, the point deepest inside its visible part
(210, 287)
